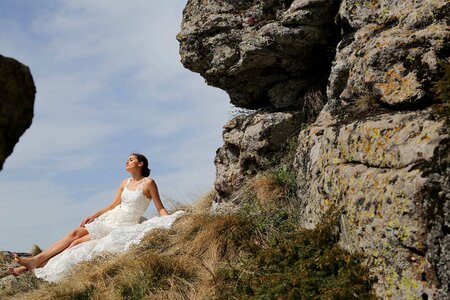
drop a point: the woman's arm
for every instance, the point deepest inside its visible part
(151, 191)
(114, 203)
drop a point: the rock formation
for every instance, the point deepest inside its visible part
(383, 172)
(377, 151)
(250, 142)
(17, 93)
(251, 49)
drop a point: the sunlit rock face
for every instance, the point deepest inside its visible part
(378, 152)
(263, 53)
(390, 52)
(389, 176)
(17, 93)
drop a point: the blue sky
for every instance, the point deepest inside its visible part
(109, 82)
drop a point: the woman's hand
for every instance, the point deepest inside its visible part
(117, 200)
(87, 220)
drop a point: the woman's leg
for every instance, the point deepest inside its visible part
(22, 269)
(59, 246)
(17, 271)
(83, 239)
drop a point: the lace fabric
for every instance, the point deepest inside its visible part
(114, 231)
(128, 212)
(118, 240)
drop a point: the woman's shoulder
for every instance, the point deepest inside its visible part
(148, 180)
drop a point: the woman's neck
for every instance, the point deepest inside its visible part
(137, 176)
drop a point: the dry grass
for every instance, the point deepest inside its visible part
(201, 205)
(168, 264)
(267, 190)
(204, 255)
(364, 102)
(35, 250)
(133, 275)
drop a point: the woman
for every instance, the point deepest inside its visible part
(129, 204)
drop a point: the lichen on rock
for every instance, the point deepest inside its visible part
(391, 51)
(377, 150)
(376, 171)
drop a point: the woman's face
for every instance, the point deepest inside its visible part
(132, 163)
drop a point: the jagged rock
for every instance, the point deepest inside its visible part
(11, 285)
(377, 171)
(389, 58)
(17, 93)
(250, 144)
(263, 53)
(391, 51)
(8, 282)
(376, 151)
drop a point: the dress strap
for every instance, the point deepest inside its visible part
(141, 185)
(128, 181)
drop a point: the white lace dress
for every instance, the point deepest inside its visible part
(114, 231)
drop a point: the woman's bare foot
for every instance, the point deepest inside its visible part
(28, 263)
(17, 271)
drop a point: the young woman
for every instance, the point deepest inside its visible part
(129, 204)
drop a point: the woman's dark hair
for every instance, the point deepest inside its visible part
(145, 171)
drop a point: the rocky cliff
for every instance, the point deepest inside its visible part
(354, 81)
(17, 93)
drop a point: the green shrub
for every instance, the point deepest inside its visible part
(296, 264)
(441, 89)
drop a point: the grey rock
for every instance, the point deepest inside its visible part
(284, 45)
(8, 282)
(391, 51)
(250, 142)
(377, 171)
(376, 150)
(224, 208)
(17, 93)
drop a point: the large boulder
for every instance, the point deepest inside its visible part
(378, 151)
(263, 53)
(17, 93)
(389, 176)
(386, 168)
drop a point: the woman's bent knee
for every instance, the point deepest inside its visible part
(74, 243)
(83, 239)
(78, 233)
